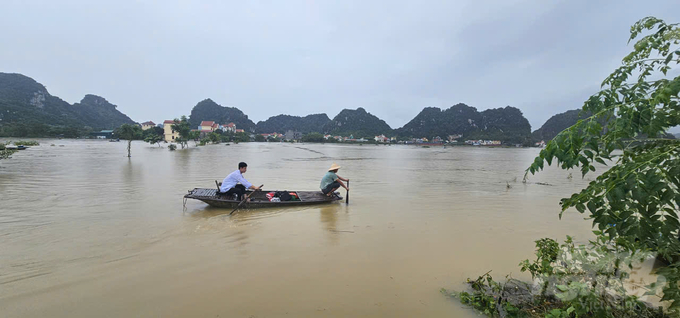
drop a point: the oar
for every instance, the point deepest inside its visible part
(347, 194)
(245, 198)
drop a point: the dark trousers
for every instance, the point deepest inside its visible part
(238, 189)
(330, 187)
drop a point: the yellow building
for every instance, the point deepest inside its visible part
(169, 135)
(148, 125)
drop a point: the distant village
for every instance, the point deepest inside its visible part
(451, 139)
(207, 127)
(204, 128)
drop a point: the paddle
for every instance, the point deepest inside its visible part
(347, 194)
(245, 198)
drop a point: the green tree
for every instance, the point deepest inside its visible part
(195, 135)
(635, 202)
(241, 137)
(182, 127)
(226, 136)
(129, 133)
(153, 135)
(259, 138)
(152, 131)
(313, 137)
(154, 139)
(214, 137)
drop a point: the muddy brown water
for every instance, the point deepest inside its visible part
(87, 232)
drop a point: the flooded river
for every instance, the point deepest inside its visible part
(87, 232)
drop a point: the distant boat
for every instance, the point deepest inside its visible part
(114, 140)
(16, 147)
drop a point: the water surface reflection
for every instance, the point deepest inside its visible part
(88, 232)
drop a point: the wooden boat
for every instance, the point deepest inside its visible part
(258, 199)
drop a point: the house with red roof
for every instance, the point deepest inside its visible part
(228, 127)
(208, 126)
(148, 125)
(381, 138)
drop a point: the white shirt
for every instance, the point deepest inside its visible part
(232, 179)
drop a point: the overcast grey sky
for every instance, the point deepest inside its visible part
(157, 59)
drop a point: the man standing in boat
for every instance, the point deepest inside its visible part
(331, 181)
(230, 184)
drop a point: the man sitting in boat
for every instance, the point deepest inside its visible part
(230, 184)
(331, 181)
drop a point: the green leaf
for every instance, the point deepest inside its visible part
(581, 207)
(668, 58)
(588, 153)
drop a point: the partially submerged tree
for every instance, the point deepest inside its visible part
(129, 133)
(635, 203)
(241, 137)
(152, 131)
(214, 137)
(154, 139)
(226, 136)
(181, 126)
(195, 136)
(313, 137)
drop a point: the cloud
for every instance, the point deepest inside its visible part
(156, 60)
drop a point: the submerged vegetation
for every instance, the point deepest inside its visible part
(26, 143)
(154, 139)
(569, 280)
(633, 205)
(129, 133)
(181, 126)
(5, 153)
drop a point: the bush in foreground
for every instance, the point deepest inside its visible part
(633, 205)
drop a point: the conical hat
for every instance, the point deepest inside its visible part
(334, 167)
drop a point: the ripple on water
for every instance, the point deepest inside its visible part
(87, 208)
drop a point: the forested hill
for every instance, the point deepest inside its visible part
(27, 109)
(283, 123)
(505, 124)
(208, 110)
(555, 124)
(357, 123)
(97, 112)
